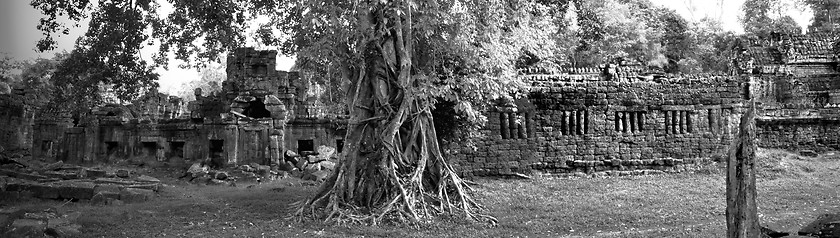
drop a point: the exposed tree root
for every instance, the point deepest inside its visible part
(392, 167)
(412, 193)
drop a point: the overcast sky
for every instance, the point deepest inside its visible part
(18, 33)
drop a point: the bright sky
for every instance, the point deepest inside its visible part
(18, 33)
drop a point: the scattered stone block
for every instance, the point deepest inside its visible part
(53, 166)
(221, 175)
(809, 153)
(77, 190)
(107, 191)
(95, 173)
(122, 173)
(47, 191)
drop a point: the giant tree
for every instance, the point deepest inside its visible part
(395, 58)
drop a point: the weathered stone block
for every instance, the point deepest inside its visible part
(107, 191)
(95, 173)
(122, 173)
(76, 190)
(47, 191)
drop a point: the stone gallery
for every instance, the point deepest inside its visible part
(618, 120)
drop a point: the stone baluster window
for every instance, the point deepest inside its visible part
(630, 121)
(715, 125)
(515, 125)
(574, 122)
(717, 120)
(678, 122)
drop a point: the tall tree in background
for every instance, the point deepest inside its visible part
(711, 48)
(38, 75)
(764, 17)
(210, 81)
(613, 30)
(108, 53)
(826, 15)
(7, 65)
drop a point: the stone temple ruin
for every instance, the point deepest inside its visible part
(257, 116)
(616, 120)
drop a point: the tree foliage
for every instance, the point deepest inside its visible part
(7, 65)
(826, 15)
(209, 81)
(764, 17)
(108, 53)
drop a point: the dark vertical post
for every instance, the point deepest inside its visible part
(667, 122)
(681, 118)
(563, 123)
(572, 122)
(624, 122)
(514, 127)
(617, 122)
(741, 211)
(688, 124)
(633, 121)
(579, 122)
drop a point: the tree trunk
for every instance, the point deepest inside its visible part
(392, 166)
(741, 211)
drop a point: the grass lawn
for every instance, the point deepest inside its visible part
(792, 192)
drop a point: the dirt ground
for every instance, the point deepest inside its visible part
(793, 190)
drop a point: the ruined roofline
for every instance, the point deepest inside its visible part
(539, 79)
(811, 48)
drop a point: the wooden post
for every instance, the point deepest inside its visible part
(741, 211)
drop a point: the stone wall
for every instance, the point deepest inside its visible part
(318, 132)
(16, 119)
(590, 126)
(817, 134)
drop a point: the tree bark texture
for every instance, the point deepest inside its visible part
(741, 210)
